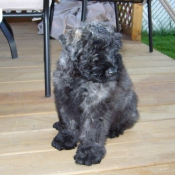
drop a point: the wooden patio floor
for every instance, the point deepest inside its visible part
(26, 116)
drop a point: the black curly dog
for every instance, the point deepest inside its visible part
(93, 92)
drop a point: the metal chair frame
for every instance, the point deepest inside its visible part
(84, 11)
(45, 15)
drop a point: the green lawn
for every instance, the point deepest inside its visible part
(163, 41)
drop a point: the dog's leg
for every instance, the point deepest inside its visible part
(127, 120)
(92, 140)
(129, 117)
(67, 137)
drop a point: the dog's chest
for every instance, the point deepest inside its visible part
(94, 93)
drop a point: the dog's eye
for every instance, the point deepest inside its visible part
(88, 67)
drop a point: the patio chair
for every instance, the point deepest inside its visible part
(84, 6)
(39, 9)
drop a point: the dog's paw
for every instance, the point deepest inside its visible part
(111, 134)
(88, 155)
(56, 126)
(64, 142)
(115, 133)
(119, 132)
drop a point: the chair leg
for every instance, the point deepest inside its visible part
(47, 50)
(6, 29)
(84, 9)
(51, 15)
(116, 17)
(150, 26)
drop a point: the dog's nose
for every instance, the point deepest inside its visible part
(111, 72)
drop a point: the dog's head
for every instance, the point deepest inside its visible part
(93, 49)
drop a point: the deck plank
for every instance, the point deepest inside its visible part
(119, 156)
(38, 139)
(168, 169)
(26, 116)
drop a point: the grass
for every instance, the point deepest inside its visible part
(163, 41)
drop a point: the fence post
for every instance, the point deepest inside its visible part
(136, 28)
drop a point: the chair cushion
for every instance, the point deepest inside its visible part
(21, 4)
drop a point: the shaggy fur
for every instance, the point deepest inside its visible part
(93, 92)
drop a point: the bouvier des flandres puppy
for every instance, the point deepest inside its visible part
(93, 92)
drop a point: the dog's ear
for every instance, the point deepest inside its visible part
(62, 40)
(118, 40)
(77, 35)
(119, 61)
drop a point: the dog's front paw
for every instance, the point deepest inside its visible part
(64, 142)
(89, 154)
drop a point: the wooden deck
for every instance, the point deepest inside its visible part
(26, 116)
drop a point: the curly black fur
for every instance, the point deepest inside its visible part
(93, 92)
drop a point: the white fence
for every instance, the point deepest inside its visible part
(160, 17)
